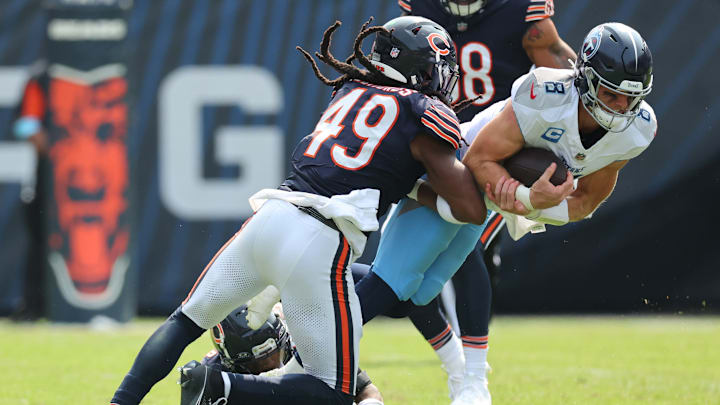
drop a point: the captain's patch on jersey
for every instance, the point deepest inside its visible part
(553, 134)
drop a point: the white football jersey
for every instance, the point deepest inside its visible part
(545, 102)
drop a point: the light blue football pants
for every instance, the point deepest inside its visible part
(419, 251)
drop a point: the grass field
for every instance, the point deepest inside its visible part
(535, 360)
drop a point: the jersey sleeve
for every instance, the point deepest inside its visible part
(643, 130)
(439, 120)
(542, 97)
(405, 6)
(522, 94)
(539, 10)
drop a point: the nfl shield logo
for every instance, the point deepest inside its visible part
(580, 156)
(394, 53)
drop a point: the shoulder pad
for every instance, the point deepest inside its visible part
(643, 128)
(544, 88)
(440, 120)
(646, 121)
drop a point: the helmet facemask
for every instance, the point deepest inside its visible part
(440, 81)
(266, 356)
(463, 8)
(604, 115)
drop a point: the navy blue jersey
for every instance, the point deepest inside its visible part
(363, 141)
(489, 46)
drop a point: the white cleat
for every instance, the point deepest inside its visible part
(455, 383)
(474, 391)
(259, 306)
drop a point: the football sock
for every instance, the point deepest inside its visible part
(157, 358)
(451, 354)
(429, 320)
(473, 296)
(475, 349)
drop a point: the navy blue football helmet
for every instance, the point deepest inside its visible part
(248, 351)
(418, 53)
(614, 56)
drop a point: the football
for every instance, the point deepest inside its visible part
(528, 165)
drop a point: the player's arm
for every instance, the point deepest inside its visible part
(544, 46)
(450, 179)
(496, 141)
(592, 190)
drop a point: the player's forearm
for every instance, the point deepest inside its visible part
(486, 171)
(467, 207)
(558, 55)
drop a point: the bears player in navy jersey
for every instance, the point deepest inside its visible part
(267, 351)
(385, 126)
(497, 41)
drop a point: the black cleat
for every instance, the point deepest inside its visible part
(196, 387)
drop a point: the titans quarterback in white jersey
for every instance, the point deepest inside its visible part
(594, 117)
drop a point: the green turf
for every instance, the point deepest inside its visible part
(543, 360)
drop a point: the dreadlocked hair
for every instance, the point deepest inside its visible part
(348, 70)
(461, 105)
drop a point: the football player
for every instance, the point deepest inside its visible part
(497, 42)
(593, 116)
(385, 126)
(266, 351)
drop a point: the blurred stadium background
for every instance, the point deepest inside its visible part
(201, 105)
(217, 96)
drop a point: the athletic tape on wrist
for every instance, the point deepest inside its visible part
(522, 194)
(557, 215)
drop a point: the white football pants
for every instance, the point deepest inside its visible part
(309, 263)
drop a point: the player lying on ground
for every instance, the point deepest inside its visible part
(266, 351)
(593, 116)
(380, 133)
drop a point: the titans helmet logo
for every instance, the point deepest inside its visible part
(592, 43)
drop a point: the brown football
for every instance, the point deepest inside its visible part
(528, 165)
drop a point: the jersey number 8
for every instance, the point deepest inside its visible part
(472, 73)
(330, 126)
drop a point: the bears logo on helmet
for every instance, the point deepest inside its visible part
(418, 54)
